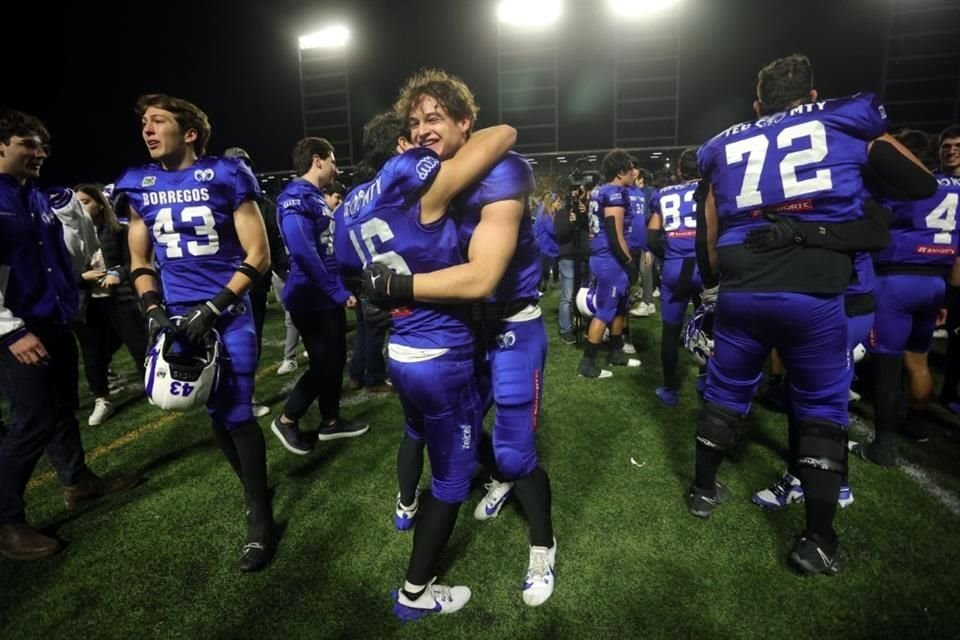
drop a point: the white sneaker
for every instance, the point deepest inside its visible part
(436, 598)
(260, 410)
(497, 494)
(102, 409)
(652, 308)
(629, 349)
(853, 396)
(941, 334)
(642, 310)
(287, 366)
(538, 585)
(656, 292)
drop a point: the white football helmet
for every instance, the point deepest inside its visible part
(181, 376)
(587, 302)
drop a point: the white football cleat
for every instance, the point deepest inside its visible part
(287, 367)
(538, 584)
(436, 598)
(629, 349)
(102, 409)
(497, 495)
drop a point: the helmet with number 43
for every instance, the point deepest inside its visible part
(179, 375)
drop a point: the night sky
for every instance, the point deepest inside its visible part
(240, 66)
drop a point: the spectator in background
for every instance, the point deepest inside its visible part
(545, 232)
(573, 249)
(111, 309)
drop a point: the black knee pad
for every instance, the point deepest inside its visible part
(822, 445)
(717, 427)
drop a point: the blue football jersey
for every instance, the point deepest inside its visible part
(635, 220)
(864, 275)
(510, 178)
(924, 232)
(190, 217)
(379, 222)
(805, 161)
(606, 195)
(678, 214)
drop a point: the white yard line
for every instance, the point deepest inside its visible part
(915, 473)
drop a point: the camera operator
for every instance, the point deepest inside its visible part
(571, 231)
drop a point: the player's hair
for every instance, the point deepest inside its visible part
(953, 131)
(687, 165)
(615, 163)
(304, 151)
(188, 116)
(918, 142)
(380, 137)
(783, 81)
(647, 177)
(18, 123)
(448, 90)
(95, 191)
(334, 188)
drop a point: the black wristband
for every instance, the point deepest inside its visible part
(142, 271)
(953, 292)
(224, 299)
(151, 298)
(250, 271)
(401, 287)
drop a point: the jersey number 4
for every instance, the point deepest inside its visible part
(944, 219)
(198, 220)
(754, 149)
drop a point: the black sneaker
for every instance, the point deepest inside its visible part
(883, 456)
(259, 548)
(589, 369)
(810, 558)
(913, 428)
(619, 358)
(702, 504)
(568, 338)
(342, 428)
(291, 438)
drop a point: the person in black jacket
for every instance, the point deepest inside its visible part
(570, 226)
(111, 310)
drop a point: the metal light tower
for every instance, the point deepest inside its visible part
(325, 89)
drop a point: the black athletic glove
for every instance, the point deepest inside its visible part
(633, 273)
(157, 321)
(199, 321)
(783, 232)
(386, 288)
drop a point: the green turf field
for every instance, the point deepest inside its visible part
(159, 562)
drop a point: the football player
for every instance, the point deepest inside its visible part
(948, 147)
(399, 219)
(503, 271)
(198, 216)
(671, 234)
(803, 156)
(611, 264)
(917, 278)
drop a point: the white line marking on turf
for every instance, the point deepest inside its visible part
(915, 473)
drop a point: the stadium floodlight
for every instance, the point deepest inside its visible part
(531, 14)
(641, 8)
(333, 37)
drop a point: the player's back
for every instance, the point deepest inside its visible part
(678, 214)
(923, 234)
(190, 217)
(635, 220)
(602, 197)
(511, 178)
(379, 222)
(804, 162)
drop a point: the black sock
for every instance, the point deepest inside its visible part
(669, 348)
(229, 449)
(616, 342)
(590, 351)
(793, 438)
(533, 494)
(820, 492)
(708, 463)
(487, 457)
(776, 379)
(252, 451)
(434, 526)
(409, 468)
(886, 397)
